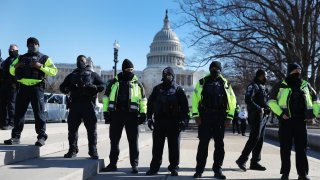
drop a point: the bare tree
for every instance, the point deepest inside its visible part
(266, 33)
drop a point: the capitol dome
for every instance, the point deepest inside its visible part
(166, 50)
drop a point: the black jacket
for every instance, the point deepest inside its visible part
(6, 77)
(83, 85)
(156, 102)
(256, 96)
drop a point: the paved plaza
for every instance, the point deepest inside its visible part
(26, 161)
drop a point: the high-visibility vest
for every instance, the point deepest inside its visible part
(137, 100)
(197, 97)
(281, 104)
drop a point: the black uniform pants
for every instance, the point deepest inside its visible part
(82, 111)
(25, 95)
(212, 126)
(163, 128)
(235, 125)
(254, 144)
(130, 122)
(293, 130)
(8, 94)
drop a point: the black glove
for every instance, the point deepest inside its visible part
(142, 118)
(107, 117)
(150, 124)
(267, 111)
(182, 125)
(91, 88)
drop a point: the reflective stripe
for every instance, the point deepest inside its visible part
(136, 102)
(197, 98)
(134, 107)
(283, 98)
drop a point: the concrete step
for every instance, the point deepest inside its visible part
(57, 141)
(55, 167)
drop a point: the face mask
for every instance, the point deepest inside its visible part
(33, 48)
(13, 53)
(295, 76)
(215, 73)
(81, 64)
(127, 74)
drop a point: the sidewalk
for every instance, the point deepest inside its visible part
(233, 147)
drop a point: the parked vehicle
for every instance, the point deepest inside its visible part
(55, 108)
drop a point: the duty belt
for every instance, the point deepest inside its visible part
(212, 110)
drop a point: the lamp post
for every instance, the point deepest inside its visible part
(116, 47)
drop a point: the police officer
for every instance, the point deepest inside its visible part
(168, 104)
(30, 70)
(213, 102)
(8, 90)
(294, 101)
(235, 121)
(124, 105)
(83, 85)
(256, 100)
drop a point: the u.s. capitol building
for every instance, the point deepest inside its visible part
(165, 50)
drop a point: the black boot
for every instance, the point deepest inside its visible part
(284, 177)
(40, 142)
(110, 168)
(94, 154)
(12, 141)
(305, 177)
(241, 165)
(257, 166)
(197, 175)
(174, 172)
(151, 172)
(71, 154)
(135, 170)
(218, 174)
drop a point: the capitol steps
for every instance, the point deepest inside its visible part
(57, 141)
(30, 162)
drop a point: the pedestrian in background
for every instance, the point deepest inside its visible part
(8, 90)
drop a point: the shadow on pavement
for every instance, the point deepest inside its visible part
(60, 162)
(310, 152)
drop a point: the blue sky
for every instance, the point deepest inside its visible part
(67, 28)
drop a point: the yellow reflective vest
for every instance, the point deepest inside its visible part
(48, 68)
(280, 97)
(197, 98)
(137, 98)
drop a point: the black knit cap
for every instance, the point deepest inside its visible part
(81, 56)
(216, 64)
(260, 72)
(292, 66)
(32, 40)
(166, 71)
(126, 64)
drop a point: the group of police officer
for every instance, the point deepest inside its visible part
(166, 112)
